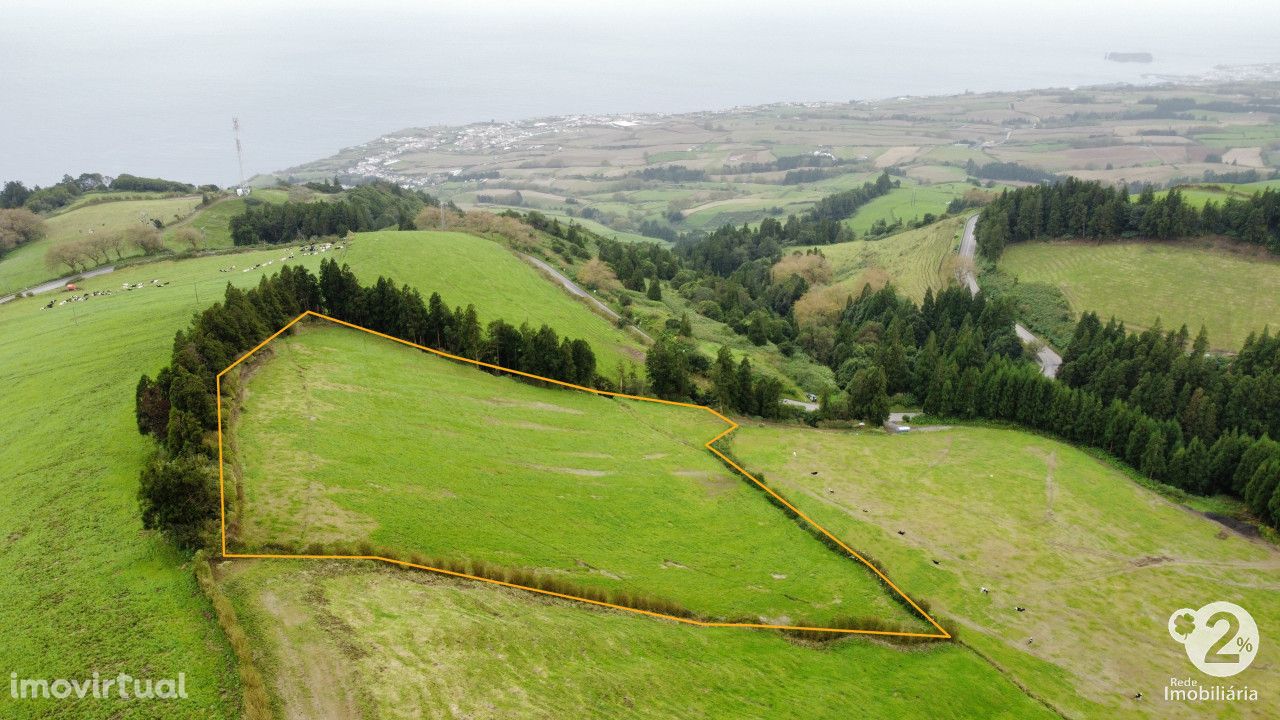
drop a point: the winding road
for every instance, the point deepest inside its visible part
(1049, 360)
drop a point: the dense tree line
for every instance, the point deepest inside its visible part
(672, 362)
(786, 162)
(655, 229)
(369, 207)
(325, 188)
(636, 264)
(727, 274)
(42, 200)
(571, 232)
(842, 205)
(1235, 176)
(1202, 406)
(809, 175)
(1159, 403)
(178, 491)
(723, 251)
(670, 174)
(885, 345)
(133, 183)
(1076, 208)
(1009, 171)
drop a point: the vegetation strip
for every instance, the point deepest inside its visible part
(257, 705)
(942, 634)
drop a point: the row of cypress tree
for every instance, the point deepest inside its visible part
(178, 492)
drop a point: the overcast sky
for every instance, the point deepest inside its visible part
(150, 87)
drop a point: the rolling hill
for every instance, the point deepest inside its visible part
(345, 437)
(913, 261)
(26, 265)
(466, 269)
(1097, 561)
(1217, 285)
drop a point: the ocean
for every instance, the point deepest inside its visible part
(150, 87)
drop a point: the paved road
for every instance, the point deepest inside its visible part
(574, 289)
(1049, 360)
(61, 282)
(806, 406)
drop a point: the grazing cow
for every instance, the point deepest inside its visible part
(1019, 608)
(902, 532)
(984, 590)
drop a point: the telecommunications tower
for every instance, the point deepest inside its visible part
(235, 127)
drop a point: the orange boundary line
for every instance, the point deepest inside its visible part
(942, 634)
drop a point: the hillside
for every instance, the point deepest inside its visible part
(1219, 285)
(394, 644)
(1043, 526)
(72, 454)
(914, 260)
(466, 269)
(214, 221)
(919, 485)
(457, 464)
(26, 265)
(73, 468)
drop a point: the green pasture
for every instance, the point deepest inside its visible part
(1191, 283)
(346, 437)
(1098, 562)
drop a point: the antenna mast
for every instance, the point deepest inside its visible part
(235, 126)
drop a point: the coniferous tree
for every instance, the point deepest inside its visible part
(667, 367)
(868, 398)
(655, 290)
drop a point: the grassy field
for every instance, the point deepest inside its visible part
(215, 220)
(907, 203)
(914, 261)
(393, 644)
(468, 269)
(84, 587)
(1192, 283)
(26, 265)
(348, 437)
(1200, 193)
(1094, 557)
(79, 567)
(1098, 562)
(592, 225)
